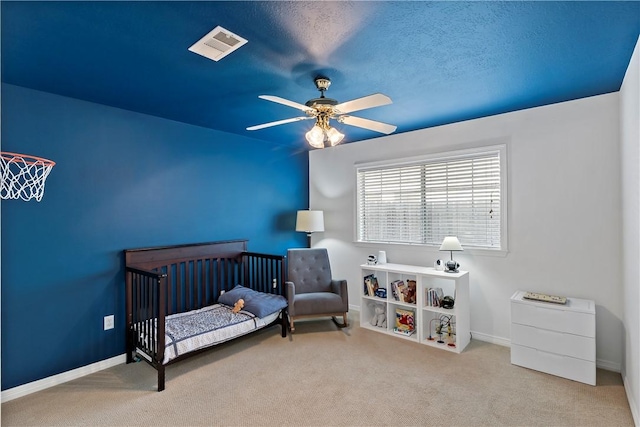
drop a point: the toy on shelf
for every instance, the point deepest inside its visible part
(370, 285)
(443, 323)
(379, 316)
(405, 322)
(410, 292)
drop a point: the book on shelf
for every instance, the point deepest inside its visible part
(404, 332)
(400, 290)
(370, 285)
(396, 289)
(405, 321)
(433, 297)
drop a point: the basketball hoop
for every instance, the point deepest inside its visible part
(23, 176)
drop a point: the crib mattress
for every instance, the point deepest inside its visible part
(208, 326)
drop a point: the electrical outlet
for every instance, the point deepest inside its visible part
(108, 322)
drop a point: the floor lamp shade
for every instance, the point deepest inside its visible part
(310, 221)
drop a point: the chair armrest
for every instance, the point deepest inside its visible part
(290, 292)
(340, 287)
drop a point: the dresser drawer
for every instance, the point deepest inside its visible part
(560, 343)
(554, 319)
(562, 366)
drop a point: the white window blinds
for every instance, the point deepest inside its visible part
(421, 203)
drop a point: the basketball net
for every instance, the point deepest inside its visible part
(23, 176)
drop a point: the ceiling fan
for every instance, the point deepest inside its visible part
(323, 109)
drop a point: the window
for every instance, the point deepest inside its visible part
(420, 201)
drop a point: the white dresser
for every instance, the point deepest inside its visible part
(558, 339)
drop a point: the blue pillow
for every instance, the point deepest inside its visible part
(259, 304)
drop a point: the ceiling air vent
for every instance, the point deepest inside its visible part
(217, 44)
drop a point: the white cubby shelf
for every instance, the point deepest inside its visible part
(454, 322)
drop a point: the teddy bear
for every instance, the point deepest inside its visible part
(410, 292)
(238, 305)
(379, 317)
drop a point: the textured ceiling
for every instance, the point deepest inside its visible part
(440, 62)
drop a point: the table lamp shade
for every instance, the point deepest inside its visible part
(451, 243)
(310, 221)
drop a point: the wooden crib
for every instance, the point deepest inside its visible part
(166, 281)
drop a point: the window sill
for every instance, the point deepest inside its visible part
(501, 253)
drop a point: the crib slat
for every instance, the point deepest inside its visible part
(193, 273)
(179, 287)
(212, 289)
(169, 289)
(203, 283)
(227, 277)
(187, 285)
(262, 283)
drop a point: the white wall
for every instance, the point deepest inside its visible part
(630, 165)
(563, 213)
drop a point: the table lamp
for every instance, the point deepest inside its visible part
(451, 243)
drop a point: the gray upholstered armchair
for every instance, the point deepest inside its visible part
(311, 291)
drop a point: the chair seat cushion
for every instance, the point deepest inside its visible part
(318, 303)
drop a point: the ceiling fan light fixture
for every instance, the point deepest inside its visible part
(315, 137)
(334, 136)
(324, 109)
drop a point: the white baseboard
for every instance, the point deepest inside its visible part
(32, 387)
(490, 339)
(632, 401)
(608, 365)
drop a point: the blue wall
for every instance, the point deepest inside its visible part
(122, 180)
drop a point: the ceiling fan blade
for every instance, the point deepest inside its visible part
(279, 122)
(367, 124)
(370, 101)
(285, 102)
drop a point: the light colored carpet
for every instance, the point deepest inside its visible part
(323, 376)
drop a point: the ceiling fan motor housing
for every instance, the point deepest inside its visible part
(321, 101)
(322, 83)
